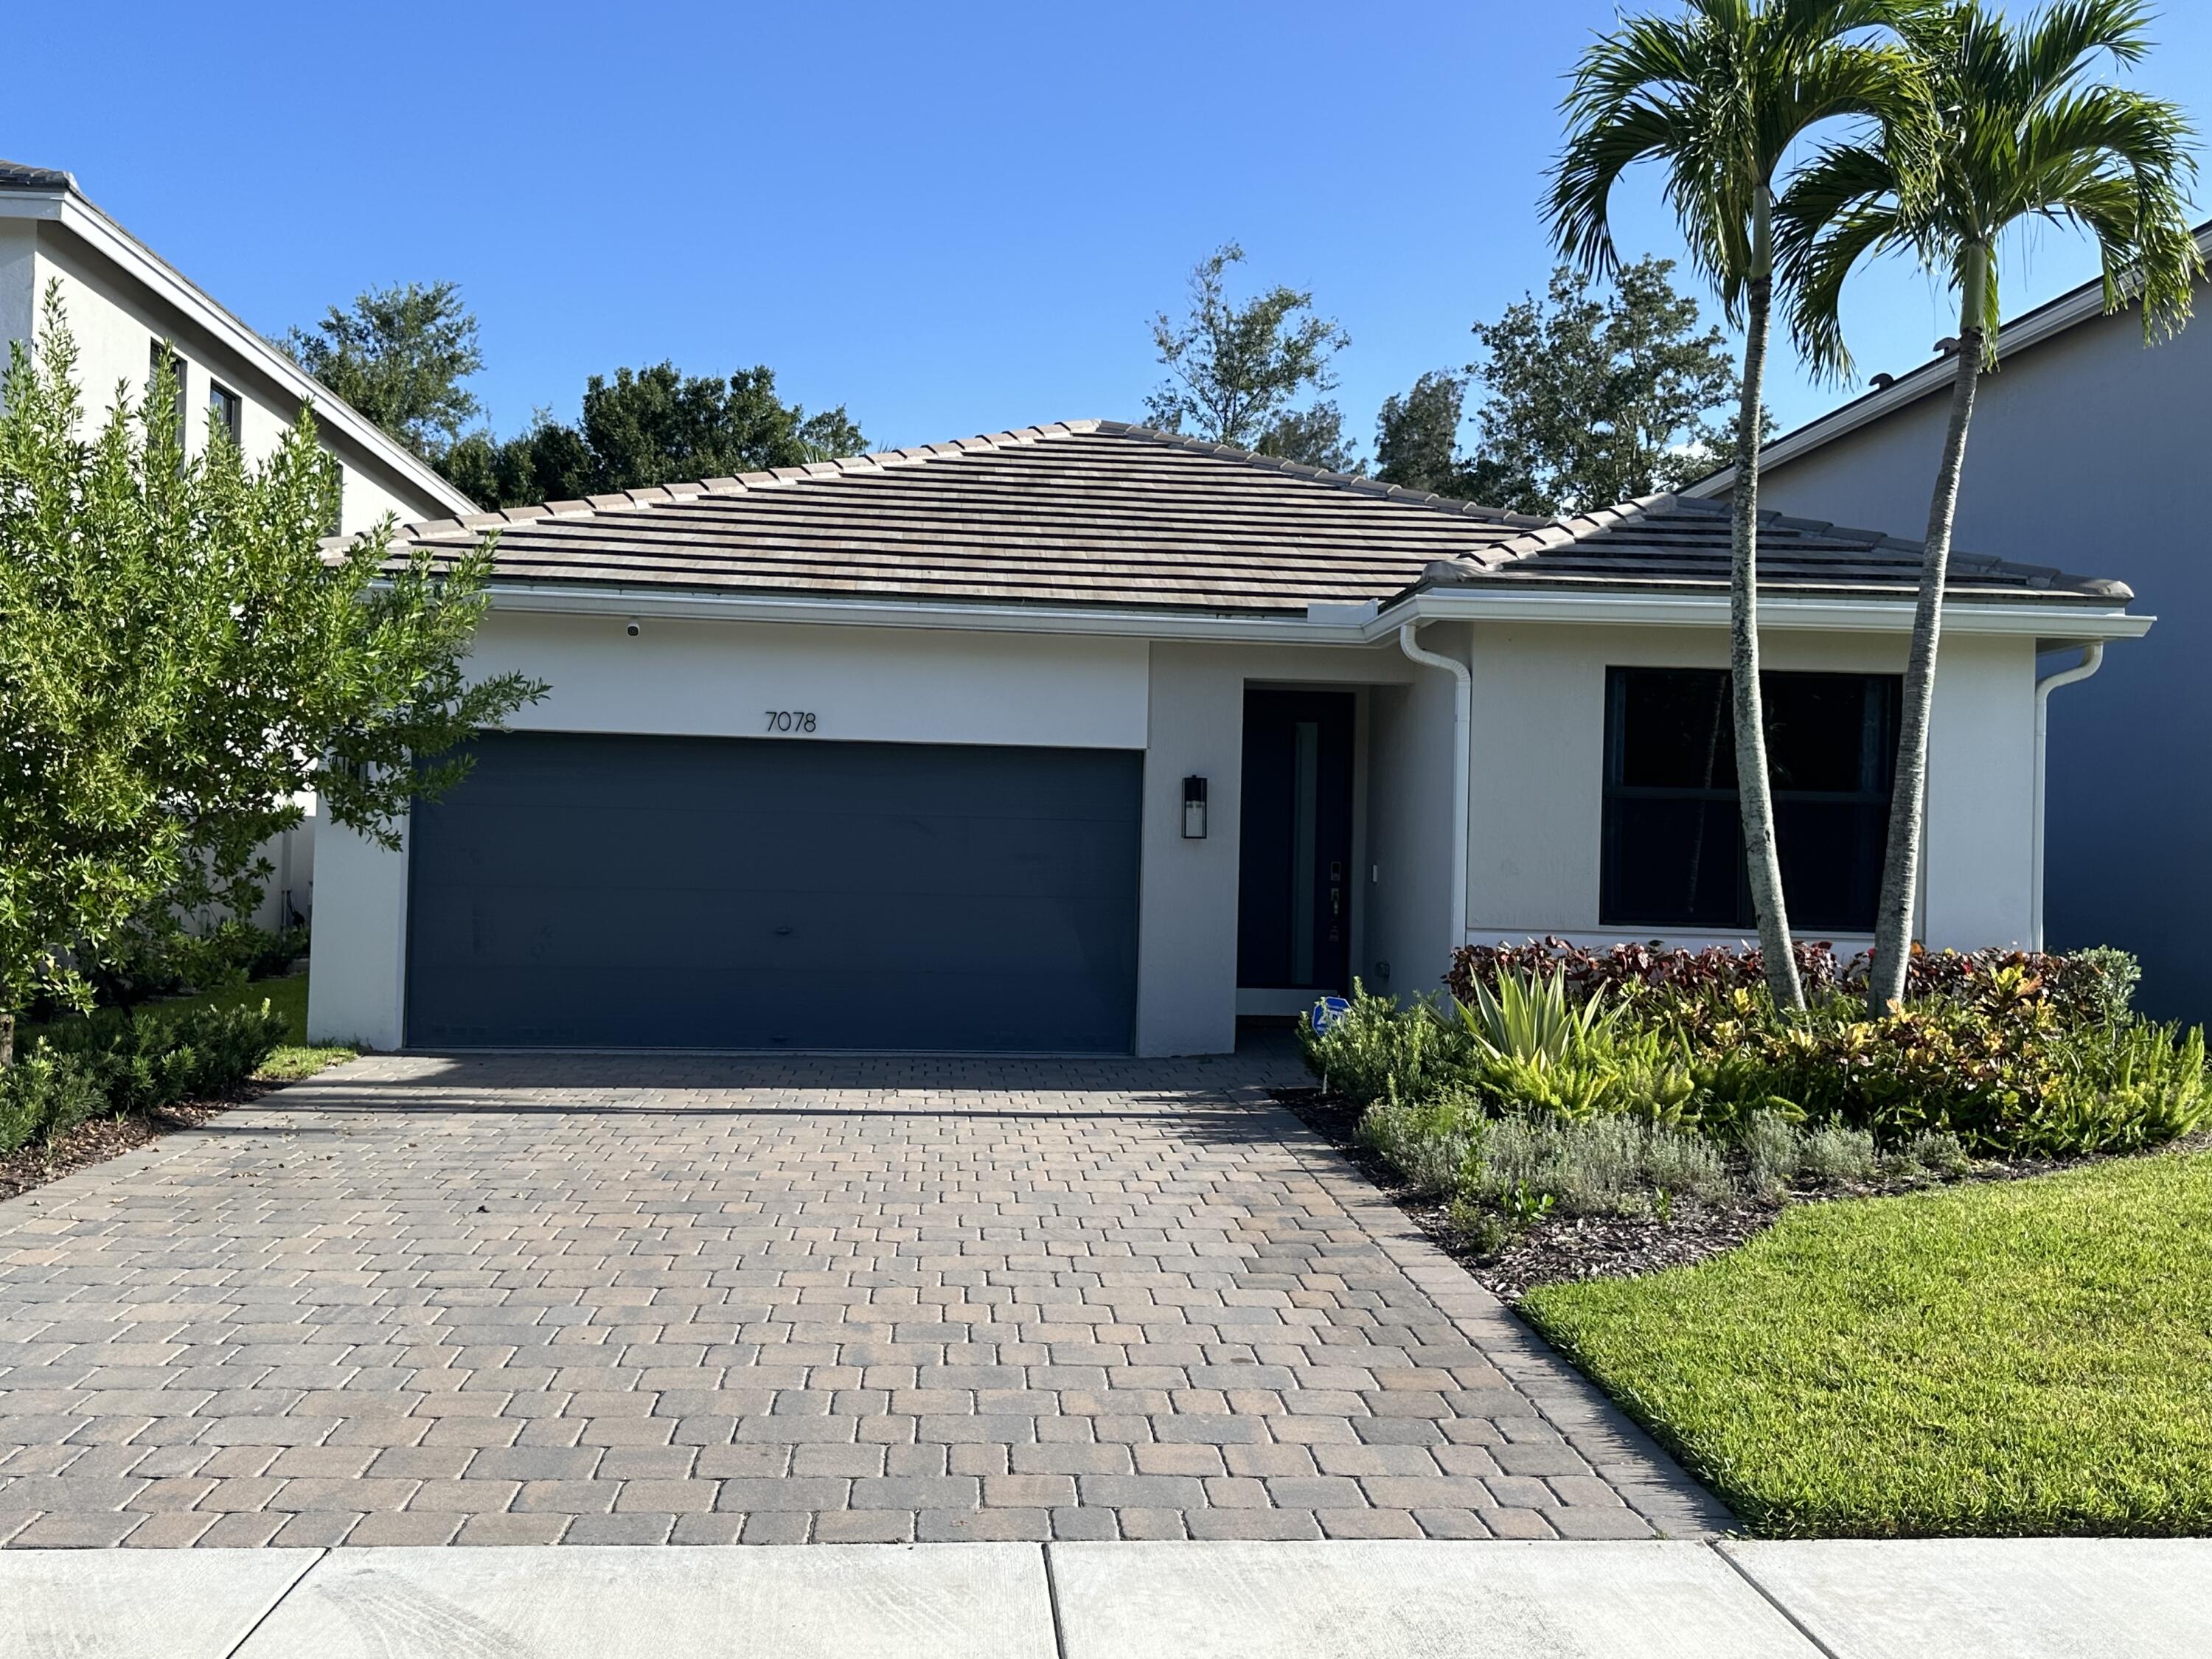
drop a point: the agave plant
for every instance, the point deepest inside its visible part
(1528, 1017)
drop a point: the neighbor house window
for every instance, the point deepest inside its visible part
(1674, 841)
(228, 409)
(158, 356)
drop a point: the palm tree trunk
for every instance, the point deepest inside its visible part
(1901, 864)
(1754, 789)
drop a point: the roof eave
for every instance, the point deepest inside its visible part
(74, 212)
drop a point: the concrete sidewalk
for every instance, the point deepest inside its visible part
(1962, 1599)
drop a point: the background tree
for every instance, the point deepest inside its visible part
(400, 356)
(1587, 401)
(178, 659)
(2019, 138)
(1235, 371)
(652, 426)
(1417, 437)
(1719, 97)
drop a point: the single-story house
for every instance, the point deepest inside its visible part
(2083, 445)
(1089, 737)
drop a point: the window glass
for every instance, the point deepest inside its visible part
(1673, 839)
(228, 409)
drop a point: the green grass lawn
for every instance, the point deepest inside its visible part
(2030, 1357)
(286, 995)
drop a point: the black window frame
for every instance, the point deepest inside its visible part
(228, 409)
(1868, 803)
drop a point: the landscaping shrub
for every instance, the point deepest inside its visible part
(1436, 1141)
(1375, 1046)
(1593, 1080)
(111, 1065)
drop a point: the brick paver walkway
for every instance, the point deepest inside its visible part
(511, 1299)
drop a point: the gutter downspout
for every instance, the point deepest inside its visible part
(2093, 658)
(1462, 737)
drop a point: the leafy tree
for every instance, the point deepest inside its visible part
(1235, 371)
(179, 659)
(2020, 138)
(652, 426)
(1596, 401)
(1417, 436)
(1719, 97)
(399, 356)
(1314, 436)
(1588, 401)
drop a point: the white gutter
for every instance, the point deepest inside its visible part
(2093, 658)
(1463, 739)
(1823, 613)
(1837, 615)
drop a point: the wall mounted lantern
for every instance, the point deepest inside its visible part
(1193, 809)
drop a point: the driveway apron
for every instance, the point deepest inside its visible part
(599, 1298)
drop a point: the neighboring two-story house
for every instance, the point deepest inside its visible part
(2083, 448)
(125, 305)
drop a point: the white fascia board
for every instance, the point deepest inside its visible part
(2045, 621)
(892, 613)
(149, 270)
(1833, 616)
(2058, 316)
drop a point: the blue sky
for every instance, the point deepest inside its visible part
(951, 219)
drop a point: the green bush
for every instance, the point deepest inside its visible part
(1377, 1046)
(1601, 1096)
(113, 1065)
(1436, 1141)
(42, 1097)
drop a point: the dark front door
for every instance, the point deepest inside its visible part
(695, 892)
(1294, 898)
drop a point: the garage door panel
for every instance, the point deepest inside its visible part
(649, 892)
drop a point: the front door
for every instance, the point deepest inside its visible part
(1294, 898)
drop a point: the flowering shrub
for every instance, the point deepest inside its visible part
(2083, 985)
(2003, 1053)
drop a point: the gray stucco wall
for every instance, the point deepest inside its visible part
(2086, 453)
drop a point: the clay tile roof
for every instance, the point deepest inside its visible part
(1684, 543)
(19, 175)
(1102, 513)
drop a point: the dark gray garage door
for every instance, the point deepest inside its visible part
(671, 892)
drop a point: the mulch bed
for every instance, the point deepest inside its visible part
(1561, 1249)
(95, 1142)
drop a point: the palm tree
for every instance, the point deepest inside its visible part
(2020, 137)
(1717, 97)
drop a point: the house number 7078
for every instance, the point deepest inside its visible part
(790, 720)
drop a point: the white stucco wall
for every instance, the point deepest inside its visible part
(1536, 760)
(18, 279)
(115, 320)
(1411, 932)
(863, 685)
(1187, 933)
(717, 680)
(1539, 773)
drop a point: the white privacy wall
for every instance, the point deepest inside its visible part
(1539, 772)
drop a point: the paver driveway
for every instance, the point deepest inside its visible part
(599, 1298)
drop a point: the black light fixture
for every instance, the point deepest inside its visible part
(1193, 809)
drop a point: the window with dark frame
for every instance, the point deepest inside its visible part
(229, 411)
(160, 355)
(1673, 840)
